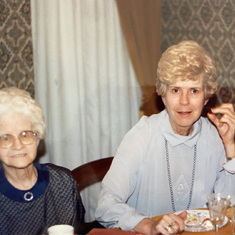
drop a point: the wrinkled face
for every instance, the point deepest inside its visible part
(184, 101)
(18, 156)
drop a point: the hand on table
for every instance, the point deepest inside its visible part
(167, 225)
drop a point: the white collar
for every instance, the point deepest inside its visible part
(176, 139)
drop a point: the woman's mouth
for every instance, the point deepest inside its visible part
(18, 155)
(184, 114)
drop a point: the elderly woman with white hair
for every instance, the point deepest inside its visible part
(33, 196)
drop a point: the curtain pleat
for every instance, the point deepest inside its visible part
(84, 80)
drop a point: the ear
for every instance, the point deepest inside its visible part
(205, 102)
(38, 141)
(164, 100)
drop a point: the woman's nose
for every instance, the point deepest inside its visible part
(184, 98)
(17, 144)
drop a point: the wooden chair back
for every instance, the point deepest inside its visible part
(91, 172)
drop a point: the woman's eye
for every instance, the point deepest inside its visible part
(195, 91)
(5, 137)
(175, 90)
(24, 134)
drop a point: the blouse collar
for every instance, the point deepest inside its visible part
(25, 195)
(176, 139)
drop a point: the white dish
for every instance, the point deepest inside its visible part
(199, 221)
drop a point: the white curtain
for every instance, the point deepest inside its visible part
(84, 81)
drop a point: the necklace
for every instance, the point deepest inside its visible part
(169, 176)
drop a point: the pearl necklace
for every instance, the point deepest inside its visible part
(169, 176)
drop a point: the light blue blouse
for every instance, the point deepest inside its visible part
(137, 184)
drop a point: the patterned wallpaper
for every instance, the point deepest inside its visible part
(212, 24)
(16, 55)
(209, 22)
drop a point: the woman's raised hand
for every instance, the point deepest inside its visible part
(225, 125)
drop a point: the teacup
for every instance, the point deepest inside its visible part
(61, 229)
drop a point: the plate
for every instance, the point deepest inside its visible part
(199, 221)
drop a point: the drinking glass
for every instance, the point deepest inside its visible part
(218, 204)
(231, 215)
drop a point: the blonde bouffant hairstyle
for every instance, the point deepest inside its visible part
(14, 100)
(186, 61)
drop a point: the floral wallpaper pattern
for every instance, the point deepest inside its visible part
(212, 24)
(16, 54)
(209, 22)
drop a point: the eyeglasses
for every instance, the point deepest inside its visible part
(25, 138)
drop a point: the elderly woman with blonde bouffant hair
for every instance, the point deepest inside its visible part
(169, 162)
(33, 196)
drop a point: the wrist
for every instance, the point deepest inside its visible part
(230, 151)
(230, 158)
(144, 226)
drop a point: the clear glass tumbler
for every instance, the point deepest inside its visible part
(218, 204)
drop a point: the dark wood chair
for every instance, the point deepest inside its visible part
(91, 172)
(88, 174)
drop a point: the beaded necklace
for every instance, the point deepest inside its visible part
(169, 176)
